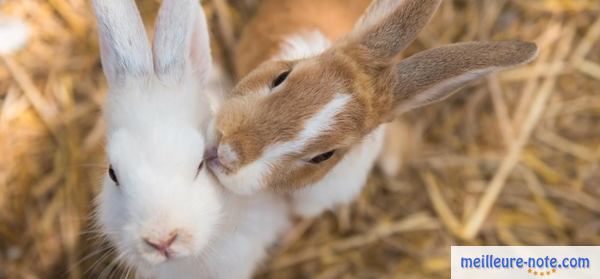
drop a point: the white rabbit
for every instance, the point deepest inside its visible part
(159, 205)
(309, 115)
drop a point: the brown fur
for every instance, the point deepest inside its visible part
(427, 69)
(277, 19)
(381, 39)
(359, 64)
(262, 121)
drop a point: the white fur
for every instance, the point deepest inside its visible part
(14, 33)
(226, 154)
(344, 182)
(320, 123)
(156, 115)
(248, 226)
(303, 45)
(218, 82)
(313, 128)
(124, 46)
(155, 153)
(249, 179)
(178, 31)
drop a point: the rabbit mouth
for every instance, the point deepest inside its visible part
(155, 258)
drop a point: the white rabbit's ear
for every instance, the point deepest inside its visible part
(181, 41)
(389, 26)
(124, 46)
(435, 74)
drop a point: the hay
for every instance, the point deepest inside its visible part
(511, 160)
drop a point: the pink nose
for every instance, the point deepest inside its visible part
(163, 245)
(218, 159)
(227, 157)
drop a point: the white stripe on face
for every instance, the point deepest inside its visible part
(313, 127)
(251, 176)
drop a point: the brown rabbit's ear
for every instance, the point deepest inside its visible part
(389, 26)
(435, 74)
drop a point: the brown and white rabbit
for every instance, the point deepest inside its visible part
(308, 116)
(166, 214)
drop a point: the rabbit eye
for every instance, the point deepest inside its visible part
(113, 176)
(280, 79)
(322, 157)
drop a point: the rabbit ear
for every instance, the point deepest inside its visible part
(181, 41)
(124, 46)
(435, 74)
(389, 26)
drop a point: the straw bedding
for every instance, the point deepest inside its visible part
(511, 160)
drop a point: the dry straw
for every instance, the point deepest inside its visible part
(511, 160)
